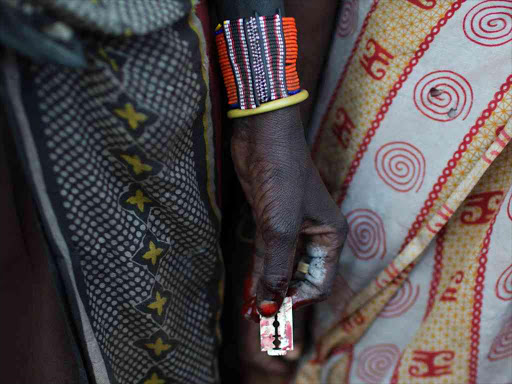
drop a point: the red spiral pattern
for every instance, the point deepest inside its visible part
(401, 166)
(374, 362)
(509, 208)
(366, 237)
(402, 301)
(443, 96)
(489, 23)
(452, 163)
(501, 347)
(504, 285)
(347, 22)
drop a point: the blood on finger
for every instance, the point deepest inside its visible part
(268, 309)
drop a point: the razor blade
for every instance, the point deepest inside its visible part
(276, 332)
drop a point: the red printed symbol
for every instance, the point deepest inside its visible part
(366, 236)
(401, 166)
(441, 217)
(443, 96)
(402, 301)
(489, 23)
(480, 207)
(428, 366)
(424, 4)
(343, 127)
(504, 285)
(376, 361)
(379, 55)
(356, 319)
(501, 347)
(347, 23)
(392, 275)
(450, 294)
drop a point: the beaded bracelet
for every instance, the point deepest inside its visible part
(258, 57)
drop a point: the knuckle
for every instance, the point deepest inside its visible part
(277, 235)
(278, 231)
(275, 283)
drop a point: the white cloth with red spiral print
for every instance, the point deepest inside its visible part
(489, 23)
(421, 93)
(375, 361)
(347, 21)
(501, 348)
(367, 237)
(401, 166)
(443, 96)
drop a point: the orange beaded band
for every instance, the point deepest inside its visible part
(258, 57)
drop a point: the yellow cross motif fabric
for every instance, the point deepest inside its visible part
(136, 163)
(112, 62)
(158, 304)
(153, 253)
(411, 135)
(158, 346)
(139, 200)
(122, 155)
(131, 115)
(154, 380)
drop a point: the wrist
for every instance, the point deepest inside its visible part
(280, 126)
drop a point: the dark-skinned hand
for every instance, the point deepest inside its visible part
(295, 215)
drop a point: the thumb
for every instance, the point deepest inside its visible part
(277, 271)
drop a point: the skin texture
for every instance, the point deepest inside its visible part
(291, 208)
(289, 202)
(314, 19)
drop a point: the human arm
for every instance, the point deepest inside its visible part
(291, 206)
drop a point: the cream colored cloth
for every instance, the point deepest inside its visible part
(411, 137)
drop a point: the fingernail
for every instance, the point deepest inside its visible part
(250, 313)
(246, 311)
(268, 308)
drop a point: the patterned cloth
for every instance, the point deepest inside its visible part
(121, 155)
(411, 135)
